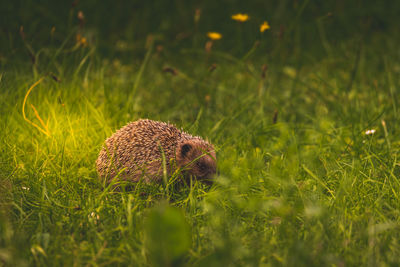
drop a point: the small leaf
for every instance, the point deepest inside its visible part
(167, 235)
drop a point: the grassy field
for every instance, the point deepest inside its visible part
(304, 117)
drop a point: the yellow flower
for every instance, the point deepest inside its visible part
(80, 40)
(265, 26)
(214, 35)
(240, 17)
(83, 41)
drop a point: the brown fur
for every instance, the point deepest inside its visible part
(136, 151)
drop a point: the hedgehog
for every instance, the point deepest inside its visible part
(145, 149)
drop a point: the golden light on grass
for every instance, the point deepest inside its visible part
(214, 35)
(44, 130)
(240, 17)
(265, 26)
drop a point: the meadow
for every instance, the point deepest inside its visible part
(303, 114)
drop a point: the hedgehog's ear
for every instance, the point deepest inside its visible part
(185, 149)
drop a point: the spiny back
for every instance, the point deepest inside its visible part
(135, 150)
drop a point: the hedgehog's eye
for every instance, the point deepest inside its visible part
(185, 149)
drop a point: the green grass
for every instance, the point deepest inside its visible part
(299, 183)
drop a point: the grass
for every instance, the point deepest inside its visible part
(300, 183)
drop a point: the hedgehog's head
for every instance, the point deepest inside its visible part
(197, 158)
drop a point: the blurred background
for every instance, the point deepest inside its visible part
(121, 28)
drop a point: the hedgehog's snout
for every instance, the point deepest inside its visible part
(205, 167)
(197, 161)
